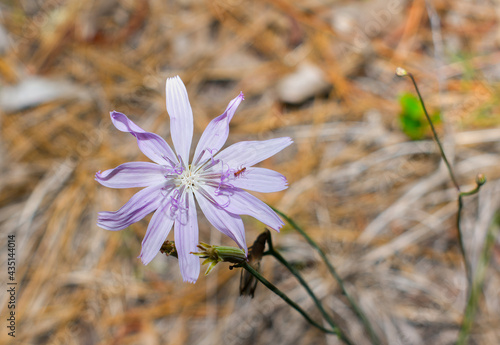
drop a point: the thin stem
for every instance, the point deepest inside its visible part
(294, 305)
(472, 303)
(403, 73)
(443, 155)
(473, 286)
(480, 180)
(462, 243)
(301, 280)
(361, 315)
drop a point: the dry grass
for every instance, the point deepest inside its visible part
(380, 205)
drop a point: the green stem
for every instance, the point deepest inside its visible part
(301, 280)
(462, 243)
(361, 315)
(474, 285)
(479, 183)
(294, 305)
(473, 301)
(443, 155)
(480, 180)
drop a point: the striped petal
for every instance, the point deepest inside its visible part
(216, 133)
(260, 180)
(229, 224)
(152, 145)
(131, 175)
(237, 201)
(140, 205)
(181, 117)
(186, 239)
(247, 153)
(158, 229)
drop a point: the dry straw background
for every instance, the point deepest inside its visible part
(319, 71)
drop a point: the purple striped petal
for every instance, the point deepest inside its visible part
(237, 201)
(260, 180)
(216, 133)
(247, 153)
(140, 205)
(181, 117)
(186, 239)
(158, 229)
(152, 145)
(132, 174)
(229, 224)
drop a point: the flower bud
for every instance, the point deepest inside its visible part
(480, 179)
(215, 254)
(401, 72)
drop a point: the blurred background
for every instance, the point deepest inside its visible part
(365, 175)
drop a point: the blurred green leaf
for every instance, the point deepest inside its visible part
(412, 118)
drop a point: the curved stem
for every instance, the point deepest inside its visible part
(479, 183)
(301, 280)
(443, 155)
(357, 310)
(473, 283)
(294, 305)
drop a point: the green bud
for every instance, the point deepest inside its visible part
(480, 179)
(215, 254)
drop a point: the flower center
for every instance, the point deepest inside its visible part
(189, 179)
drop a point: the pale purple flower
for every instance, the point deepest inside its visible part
(215, 179)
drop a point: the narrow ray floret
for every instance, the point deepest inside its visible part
(216, 179)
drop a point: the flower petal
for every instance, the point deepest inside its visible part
(260, 180)
(216, 133)
(158, 229)
(227, 223)
(237, 201)
(248, 153)
(186, 240)
(181, 117)
(152, 145)
(141, 204)
(132, 174)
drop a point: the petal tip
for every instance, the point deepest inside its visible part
(144, 259)
(175, 79)
(114, 114)
(280, 225)
(100, 224)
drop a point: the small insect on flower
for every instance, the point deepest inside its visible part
(239, 172)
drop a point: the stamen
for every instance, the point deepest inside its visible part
(211, 152)
(167, 189)
(212, 200)
(212, 160)
(199, 157)
(179, 170)
(182, 162)
(174, 203)
(211, 164)
(172, 163)
(211, 176)
(177, 209)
